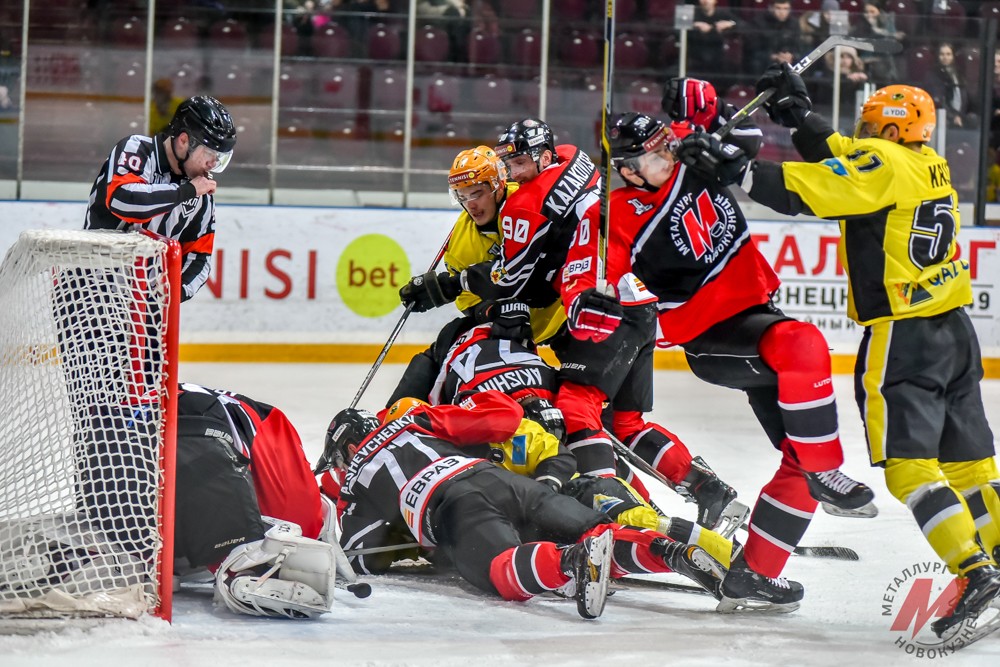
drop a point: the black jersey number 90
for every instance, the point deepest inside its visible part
(932, 231)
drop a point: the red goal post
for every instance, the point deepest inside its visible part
(88, 383)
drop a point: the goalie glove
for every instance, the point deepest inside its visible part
(594, 316)
(692, 100)
(283, 575)
(430, 290)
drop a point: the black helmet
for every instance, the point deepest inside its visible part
(349, 427)
(529, 136)
(635, 134)
(541, 411)
(206, 121)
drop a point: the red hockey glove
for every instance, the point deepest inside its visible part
(691, 99)
(594, 316)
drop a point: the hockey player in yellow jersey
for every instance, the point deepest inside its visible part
(477, 181)
(919, 365)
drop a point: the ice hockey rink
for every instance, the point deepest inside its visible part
(419, 620)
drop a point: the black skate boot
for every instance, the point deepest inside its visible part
(841, 495)
(692, 561)
(743, 589)
(981, 587)
(717, 509)
(589, 563)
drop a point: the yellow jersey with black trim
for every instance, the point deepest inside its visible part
(522, 452)
(469, 245)
(899, 226)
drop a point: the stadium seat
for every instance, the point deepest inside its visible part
(442, 93)
(331, 41)
(289, 39)
(669, 50)
(581, 49)
(739, 94)
(128, 76)
(948, 21)
(625, 11)
(631, 51)
(643, 96)
(179, 33)
(228, 34)
(969, 60)
(662, 11)
(484, 48)
(908, 16)
(521, 9)
(527, 48)
(295, 84)
(384, 42)
(231, 79)
(338, 87)
(493, 92)
(432, 44)
(128, 32)
(919, 61)
(388, 89)
(569, 10)
(348, 143)
(988, 10)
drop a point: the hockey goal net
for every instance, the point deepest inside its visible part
(88, 337)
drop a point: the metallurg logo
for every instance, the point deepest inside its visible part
(703, 226)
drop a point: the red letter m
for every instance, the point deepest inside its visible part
(917, 608)
(698, 227)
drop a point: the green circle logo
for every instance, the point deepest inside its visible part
(370, 272)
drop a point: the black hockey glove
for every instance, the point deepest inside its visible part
(690, 99)
(511, 319)
(790, 103)
(594, 316)
(430, 291)
(704, 154)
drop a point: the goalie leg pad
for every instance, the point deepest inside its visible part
(283, 575)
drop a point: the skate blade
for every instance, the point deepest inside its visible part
(869, 511)
(734, 516)
(729, 605)
(965, 633)
(590, 600)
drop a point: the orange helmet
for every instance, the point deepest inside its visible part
(476, 166)
(401, 408)
(907, 107)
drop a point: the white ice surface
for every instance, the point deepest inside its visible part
(411, 623)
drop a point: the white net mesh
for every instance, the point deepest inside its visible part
(82, 359)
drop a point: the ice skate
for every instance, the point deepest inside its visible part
(589, 563)
(841, 495)
(717, 506)
(692, 561)
(979, 588)
(746, 590)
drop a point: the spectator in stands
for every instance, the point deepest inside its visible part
(993, 175)
(948, 89)
(852, 80)
(995, 119)
(707, 39)
(815, 26)
(163, 105)
(878, 23)
(776, 37)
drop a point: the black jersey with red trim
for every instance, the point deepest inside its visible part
(690, 244)
(538, 223)
(136, 187)
(398, 475)
(243, 414)
(478, 362)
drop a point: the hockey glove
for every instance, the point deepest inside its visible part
(430, 291)
(594, 316)
(511, 319)
(704, 154)
(790, 103)
(690, 99)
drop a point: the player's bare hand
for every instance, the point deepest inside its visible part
(203, 186)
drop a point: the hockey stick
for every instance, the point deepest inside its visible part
(662, 585)
(880, 45)
(395, 332)
(608, 92)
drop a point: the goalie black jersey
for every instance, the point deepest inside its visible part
(479, 362)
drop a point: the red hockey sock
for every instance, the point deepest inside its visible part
(799, 354)
(654, 444)
(523, 572)
(779, 519)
